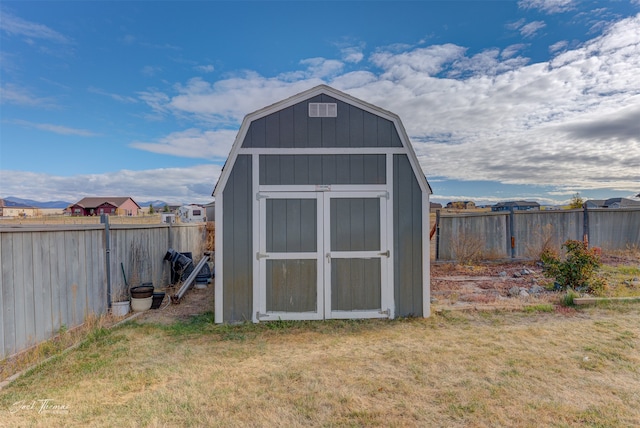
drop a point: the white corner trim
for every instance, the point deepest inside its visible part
(218, 297)
(426, 257)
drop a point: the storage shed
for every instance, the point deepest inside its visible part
(322, 211)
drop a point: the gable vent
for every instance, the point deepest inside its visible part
(323, 110)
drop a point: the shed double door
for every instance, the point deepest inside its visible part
(323, 255)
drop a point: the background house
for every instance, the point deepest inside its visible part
(461, 205)
(210, 209)
(111, 205)
(515, 206)
(613, 203)
(10, 209)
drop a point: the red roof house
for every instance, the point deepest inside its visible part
(111, 205)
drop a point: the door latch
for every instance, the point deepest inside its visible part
(328, 257)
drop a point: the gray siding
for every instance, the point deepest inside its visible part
(237, 241)
(407, 239)
(322, 169)
(292, 127)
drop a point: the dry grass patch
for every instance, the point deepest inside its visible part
(464, 369)
(63, 340)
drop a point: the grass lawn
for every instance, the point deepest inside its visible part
(565, 367)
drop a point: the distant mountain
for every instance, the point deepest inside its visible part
(155, 204)
(12, 201)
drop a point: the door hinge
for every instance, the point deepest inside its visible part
(385, 253)
(260, 255)
(386, 312)
(259, 315)
(384, 195)
(260, 196)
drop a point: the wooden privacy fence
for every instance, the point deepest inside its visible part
(56, 275)
(524, 234)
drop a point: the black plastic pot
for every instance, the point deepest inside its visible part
(142, 291)
(158, 297)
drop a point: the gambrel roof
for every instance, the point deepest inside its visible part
(313, 93)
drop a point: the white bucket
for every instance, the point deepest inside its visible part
(120, 309)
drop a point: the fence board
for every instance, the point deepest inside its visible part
(612, 229)
(71, 286)
(28, 288)
(619, 229)
(19, 291)
(58, 281)
(2, 303)
(8, 296)
(56, 275)
(37, 269)
(47, 297)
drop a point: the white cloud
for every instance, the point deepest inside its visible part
(14, 94)
(205, 68)
(117, 97)
(489, 62)
(529, 30)
(192, 143)
(16, 26)
(150, 70)
(548, 6)
(321, 67)
(56, 129)
(570, 123)
(558, 46)
(352, 54)
(512, 50)
(429, 60)
(172, 185)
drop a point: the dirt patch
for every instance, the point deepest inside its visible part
(485, 285)
(509, 285)
(196, 301)
(495, 285)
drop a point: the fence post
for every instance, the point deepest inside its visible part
(512, 232)
(585, 224)
(437, 234)
(104, 218)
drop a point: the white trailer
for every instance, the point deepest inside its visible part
(191, 214)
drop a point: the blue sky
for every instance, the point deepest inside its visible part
(530, 99)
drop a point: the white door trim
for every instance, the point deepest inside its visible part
(323, 255)
(261, 256)
(384, 254)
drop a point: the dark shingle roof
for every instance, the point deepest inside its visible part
(94, 202)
